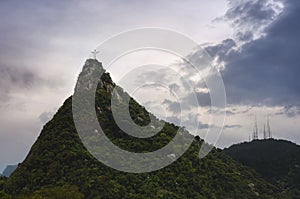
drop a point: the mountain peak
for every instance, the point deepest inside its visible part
(58, 158)
(91, 62)
(90, 74)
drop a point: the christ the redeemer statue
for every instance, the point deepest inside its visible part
(95, 52)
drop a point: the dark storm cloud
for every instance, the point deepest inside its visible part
(249, 15)
(253, 12)
(221, 50)
(264, 71)
(247, 36)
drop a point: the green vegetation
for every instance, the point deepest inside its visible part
(59, 166)
(278, 161)
(2, 192)
(63, 192)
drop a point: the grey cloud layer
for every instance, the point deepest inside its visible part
(14, 79)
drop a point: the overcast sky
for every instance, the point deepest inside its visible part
(44, 45)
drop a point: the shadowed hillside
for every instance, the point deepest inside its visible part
(276, 160)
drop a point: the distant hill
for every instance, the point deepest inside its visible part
(9, 170)
(58, 163)
(276, 160)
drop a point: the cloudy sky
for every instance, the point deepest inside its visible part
(43, 45)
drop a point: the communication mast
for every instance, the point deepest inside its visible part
(255, 130)
(268, 128)
(265, 133)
